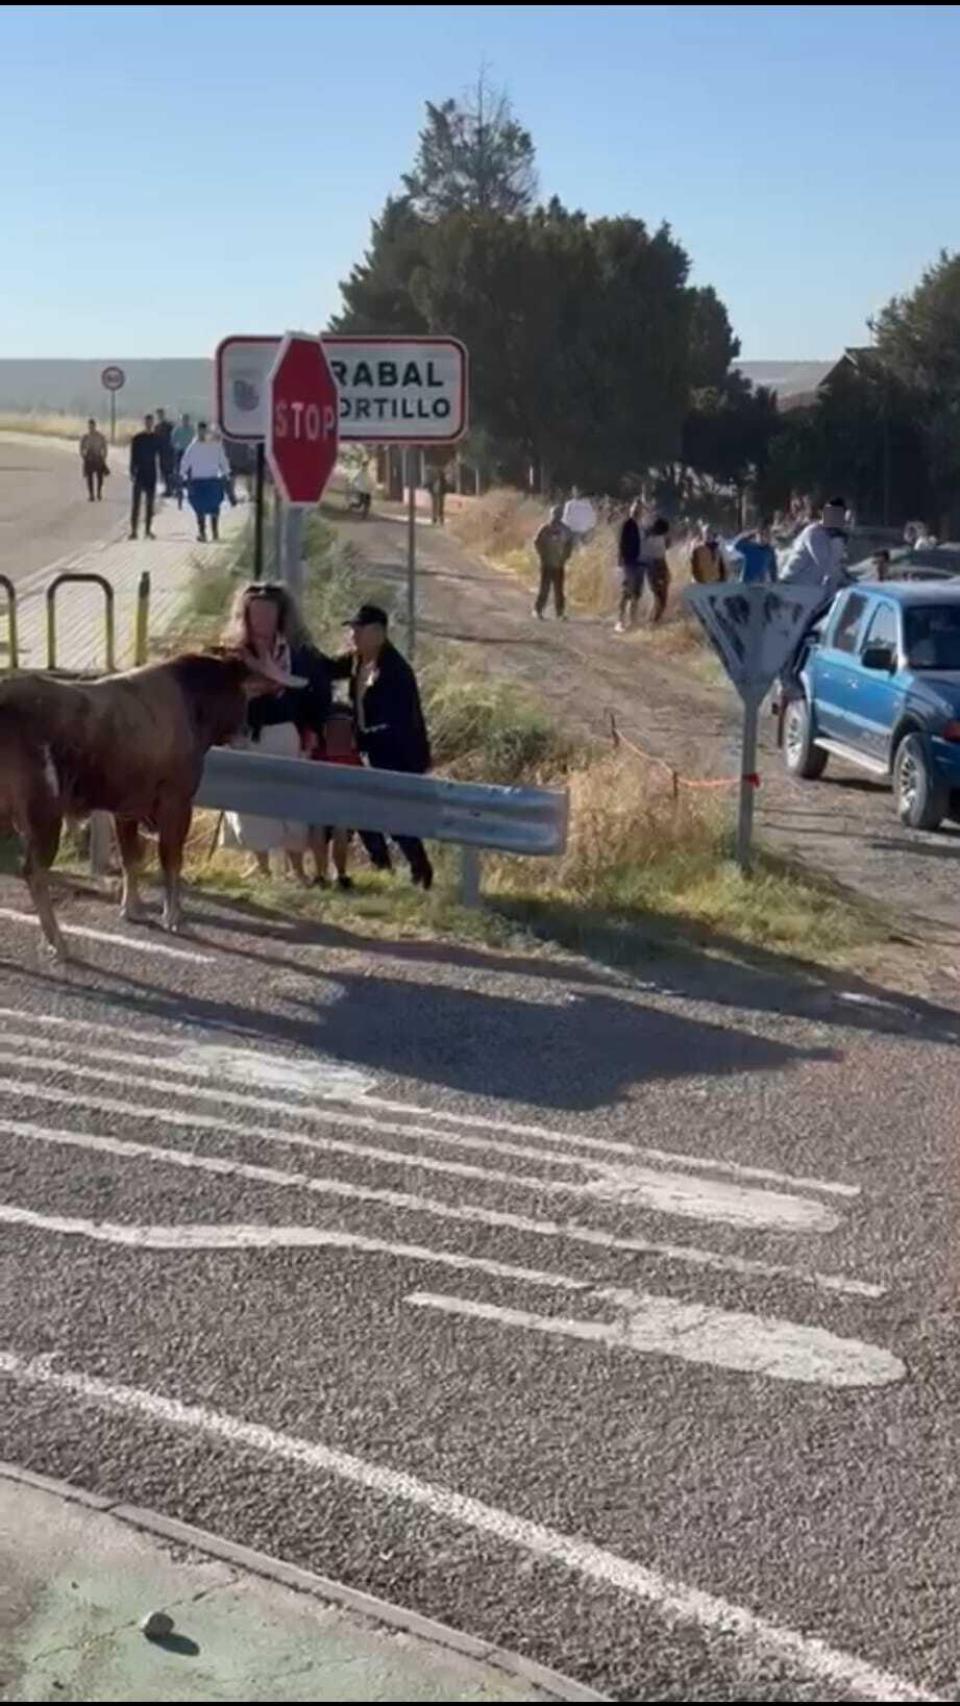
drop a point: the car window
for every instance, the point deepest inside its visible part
(932, 636)
(847, 623)
(882, 628)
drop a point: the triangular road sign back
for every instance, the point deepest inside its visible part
(754, 629)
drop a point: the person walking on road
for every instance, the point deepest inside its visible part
(206, 471)
(656, 544)
(632, 571)
(164, 432)
(391, 731)
(438, 496)
(181, 439)
(93, 460)
(757, 555)
(144, 463)
(553, 544)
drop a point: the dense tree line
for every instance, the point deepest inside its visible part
(595, 362)
(589, 347)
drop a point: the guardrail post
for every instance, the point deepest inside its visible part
(470, 876)
(101, 843)
(75, 577)
(142, 631)
(13, 643)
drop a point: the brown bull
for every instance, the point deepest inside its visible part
(132, 745)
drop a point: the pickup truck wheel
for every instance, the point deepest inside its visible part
(801, 756)
(922, 799)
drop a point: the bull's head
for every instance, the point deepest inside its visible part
(220, 684)
(264, 675)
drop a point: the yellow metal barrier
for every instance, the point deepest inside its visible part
(13, 643)
(74, 577)
(141, 637)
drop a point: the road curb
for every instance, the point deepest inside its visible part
(514, 1665)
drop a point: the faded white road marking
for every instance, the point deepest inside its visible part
(658, 1326)
(283, 1072)
(403, 1200)
(139, 944)
(676, 1601)
(659, 1192)
(700, 1333)
(331, 1080)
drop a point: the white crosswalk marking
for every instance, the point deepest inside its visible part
(183, 1079)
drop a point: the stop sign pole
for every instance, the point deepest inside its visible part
(303, 436)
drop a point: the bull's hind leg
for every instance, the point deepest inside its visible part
(173, 823)
(131, 855)
(41, 846)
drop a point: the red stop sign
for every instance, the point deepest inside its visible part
(304, 414)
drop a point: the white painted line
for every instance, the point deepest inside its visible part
(700, 1333)
(403, 1200)
(137, 943)
(680, 1603)
(657, 1326)
(338, 1081)
(659, 1192)
(217, 1236)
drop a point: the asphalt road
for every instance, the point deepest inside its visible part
(614, 1323)
(45, 514)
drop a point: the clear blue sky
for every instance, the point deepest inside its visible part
(171, 173)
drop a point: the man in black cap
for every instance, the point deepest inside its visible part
(391, 730)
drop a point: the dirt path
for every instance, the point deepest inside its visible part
(844, 825)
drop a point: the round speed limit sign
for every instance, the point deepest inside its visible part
(113, 379)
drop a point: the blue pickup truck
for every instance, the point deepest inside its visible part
(879, 686)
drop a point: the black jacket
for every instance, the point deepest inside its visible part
(631, 544)
(144, 457)
(390, 725)
(308, 707)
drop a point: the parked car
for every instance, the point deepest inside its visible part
(879, 686)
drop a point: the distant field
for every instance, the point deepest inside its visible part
(73, 388)
(60, 426)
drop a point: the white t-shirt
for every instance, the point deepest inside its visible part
(579, 515)
(205, 459)
(654, 548)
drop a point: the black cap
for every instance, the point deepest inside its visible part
(368, 616)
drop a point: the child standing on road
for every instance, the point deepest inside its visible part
(337, 745)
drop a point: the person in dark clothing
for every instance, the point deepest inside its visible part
(438, 496)
(391, 731)
(553, 544)
(630, 558)
(144, 461)
(168, 456)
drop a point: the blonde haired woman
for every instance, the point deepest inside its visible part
(266, 621)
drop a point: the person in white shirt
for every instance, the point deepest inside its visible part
(818, 556)
(207, 472)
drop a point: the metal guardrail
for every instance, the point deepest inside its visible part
(473, 815)
(75, 577)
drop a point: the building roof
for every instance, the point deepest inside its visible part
(795, 382)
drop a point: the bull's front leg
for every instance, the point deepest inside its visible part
(173, 823)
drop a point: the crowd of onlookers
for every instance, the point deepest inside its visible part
(802, 544)
(182, 460)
